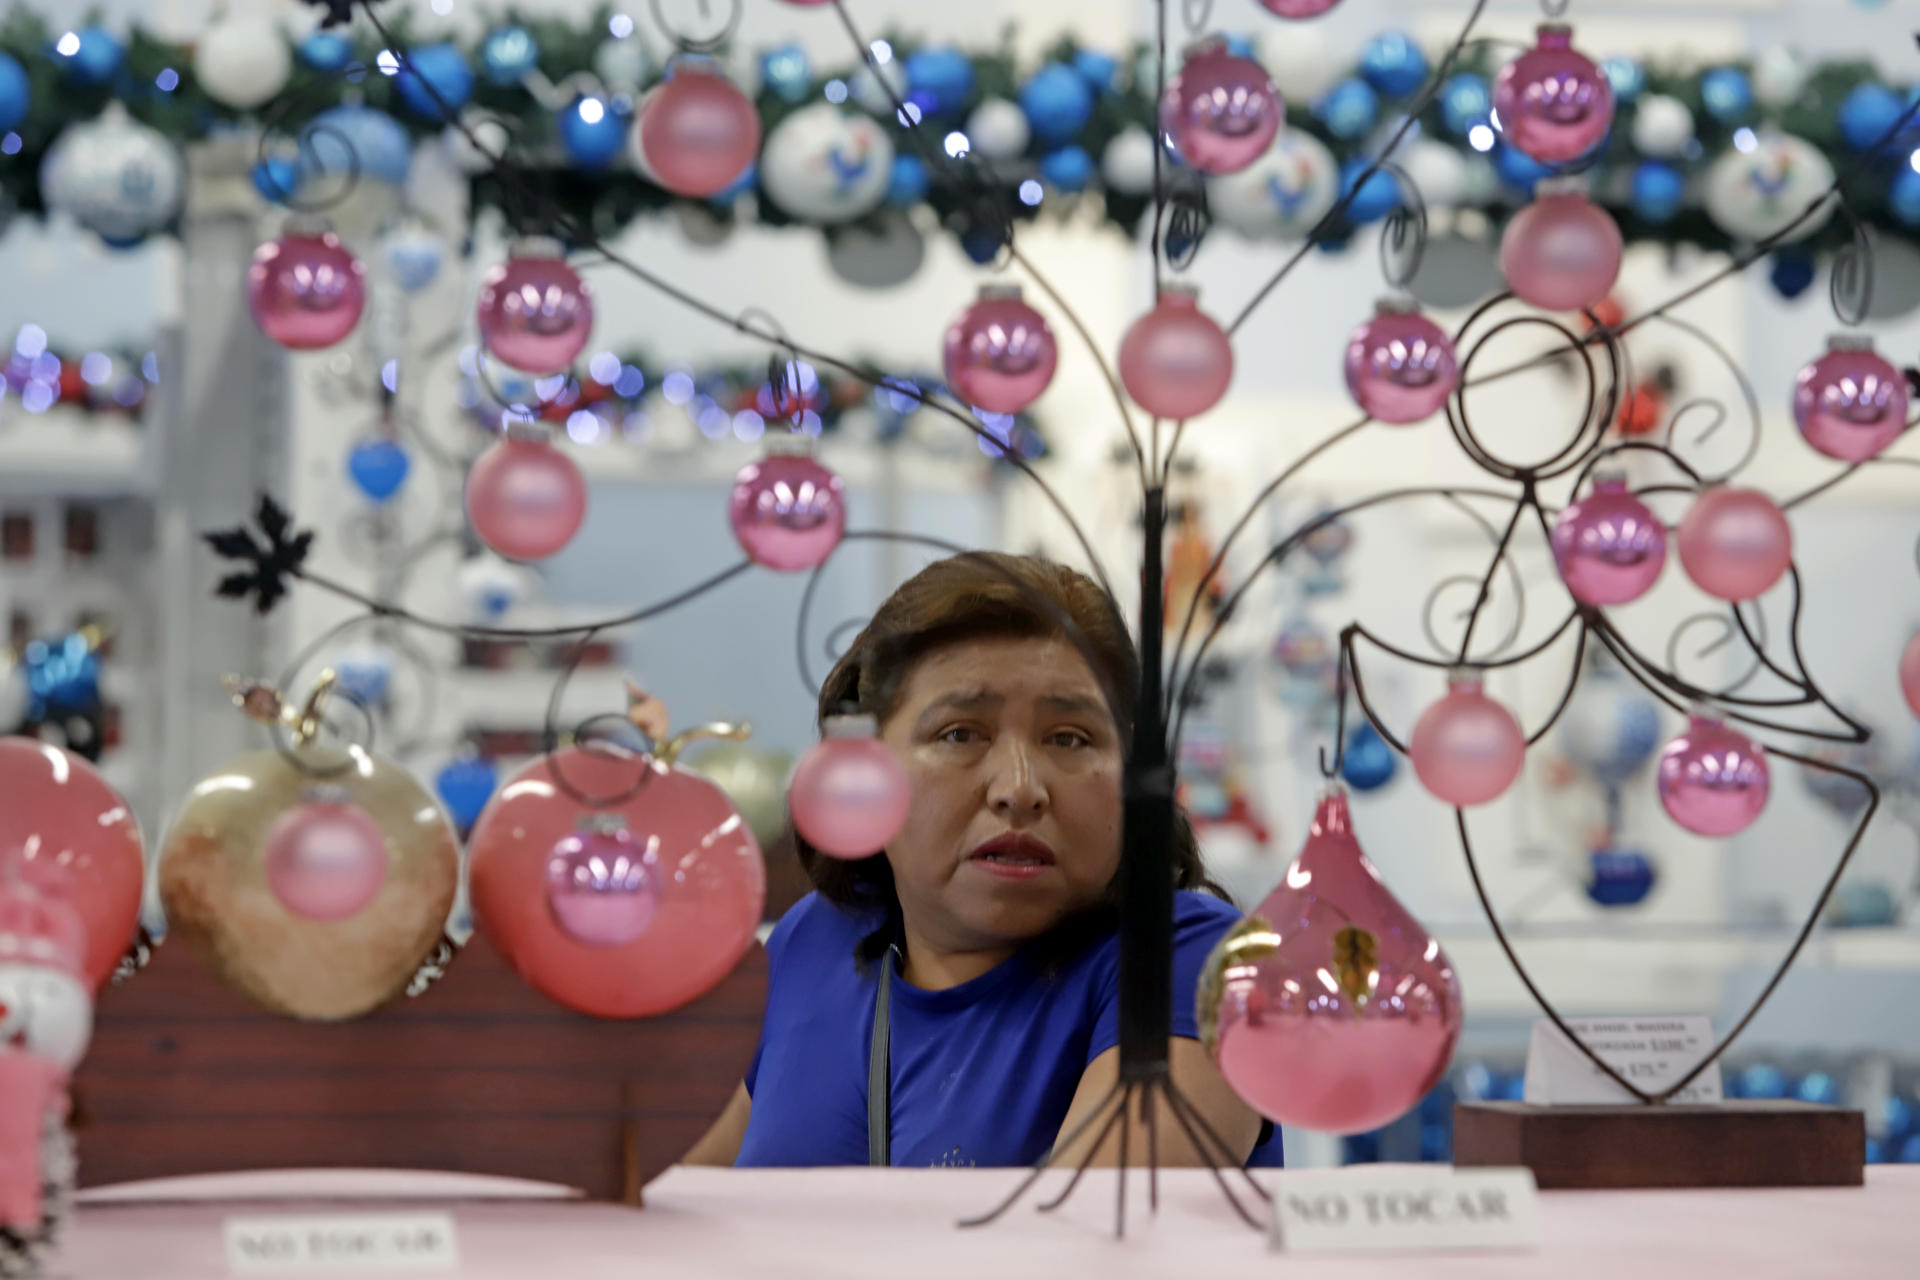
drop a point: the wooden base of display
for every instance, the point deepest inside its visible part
(1733, 1144)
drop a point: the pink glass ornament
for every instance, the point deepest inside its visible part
(599, 884)
(1610, 548)
(1910, 674)
(1713, 780)
(1561, 252)
(1400, 365)
(1467, 749)
(1221, 111)
(1851, 403)
(1735, 543)
(1552, 102)
(1329, 1007)
(306, 290)
(1298, 8)
(30, 1086)
(698, 130)
(1176, 361)
(535, 311)
(1000, 353)
(59, 812)
(326, 858)
(787, 510)
(710, 879)
(849, 794)
(525, 498)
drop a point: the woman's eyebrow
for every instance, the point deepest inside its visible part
(1073, 704)
(977, 699)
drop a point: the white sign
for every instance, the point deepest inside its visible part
(1651, 1052)
(1388, 1208)
(333, 1244)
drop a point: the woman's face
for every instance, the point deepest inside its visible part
(1015, 764)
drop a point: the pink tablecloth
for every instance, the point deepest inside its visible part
(845, 1224)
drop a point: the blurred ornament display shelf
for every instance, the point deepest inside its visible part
(74, 454)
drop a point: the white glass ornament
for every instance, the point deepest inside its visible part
(1662, 126)
(825, 165)
(870, 90)
(1754, 194)
(491, 135)
(45, 1011)
(414, 254)
(490, 588)
(1779, 77)
(1296, 55)
(622, 65)
(117, 177)
(1127, 166)
(1437, 171)
(1282, 194)
(242, 62)
(998, 129)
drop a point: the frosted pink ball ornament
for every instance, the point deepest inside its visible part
(1400, 365)
(1910, 674)
(1552, 102)
(1851, 403)
(1561, 252)
(535, 311)
(1713, 779)
(306, 290)
(600, 883)
(326, 858)
(1466, 748)
(1735, 543)
(1176, 361)
(525, 498)
(1000, 353)
(1298, 8)
(849, 795)
(1608, 546)
(1221, 111)
(787, 510)
(697, 129)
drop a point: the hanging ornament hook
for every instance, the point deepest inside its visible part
(669, 752)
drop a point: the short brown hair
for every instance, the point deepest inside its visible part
(970, 596)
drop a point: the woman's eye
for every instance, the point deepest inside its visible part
(1071, 738)
(958, 735)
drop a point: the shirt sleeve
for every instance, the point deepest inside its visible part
(1199, 920)
(776, 948)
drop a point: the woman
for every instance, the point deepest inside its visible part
(989, 921)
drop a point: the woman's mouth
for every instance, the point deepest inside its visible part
(1013, 857)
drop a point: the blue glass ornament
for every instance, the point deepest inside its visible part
(414, 254)
(465, 786)
(1068, 169)
(1619, 877)
(1727, 95)
(1475, 1082)
(1876, 1153)
(366, 676)
(434, 81)
(1862, 904)
(1899, 1115)
(326, 51)
(1058, 102)
(1369, 763)
(1657, 189)
(1867, 113)
(63, 678)
(1240, 47)
(1465, 101)
(786, 73)
(908, 185)
(276, 178)
(944, 75)
(1627, 78)
(1518, 169)
(14, 98)
(749, 177)
(1791, 272)
(592, 132)
(348, 136)
(378, 467)
(1349, 109)
(1819, 1088)
(507, 54)
(1763, 1080)
(1910, 1150)
(96, 58)
(1101, 70)
(981, 247)
(1393, 64)
(1377, 197)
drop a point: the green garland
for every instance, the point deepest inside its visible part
(610, 199)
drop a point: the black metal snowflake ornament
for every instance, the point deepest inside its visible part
(279, 559)
(336, 12)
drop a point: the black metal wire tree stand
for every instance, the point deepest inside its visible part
(1146, 882)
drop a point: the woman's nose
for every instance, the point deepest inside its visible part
(1015, 788)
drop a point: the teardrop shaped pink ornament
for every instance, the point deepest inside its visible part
(1330, 1007)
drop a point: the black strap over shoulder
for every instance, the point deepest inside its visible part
(880, 1066)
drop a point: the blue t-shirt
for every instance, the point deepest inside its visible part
(983, 1073)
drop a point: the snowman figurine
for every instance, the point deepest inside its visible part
(46, 1020)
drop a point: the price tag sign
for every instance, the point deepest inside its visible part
(1386, 1208)
(1651, 1052)
(341, 1244)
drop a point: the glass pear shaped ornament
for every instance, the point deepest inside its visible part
(849, 796)
(1329, 1007)
(1851, 403)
